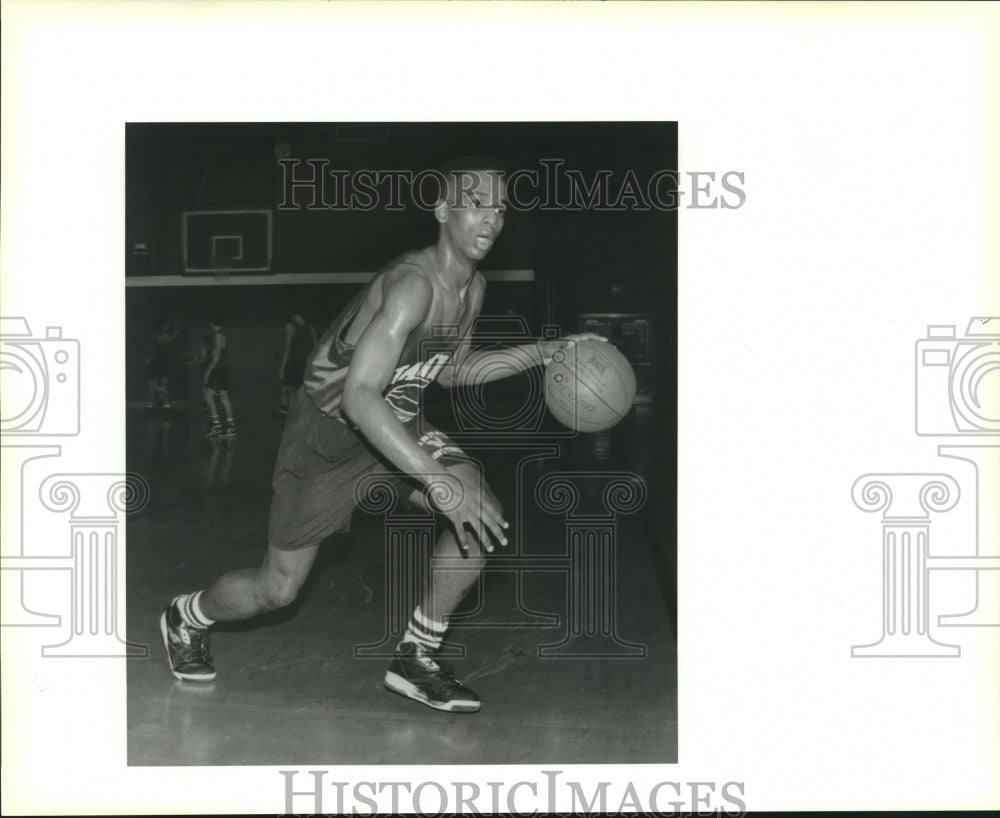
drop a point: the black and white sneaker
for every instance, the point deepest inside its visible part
(187, 648)
(414, 674)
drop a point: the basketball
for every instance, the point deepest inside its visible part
(589, 387)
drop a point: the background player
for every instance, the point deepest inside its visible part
(355, 416)
(158, 363)
(300, 338)
(216, 380)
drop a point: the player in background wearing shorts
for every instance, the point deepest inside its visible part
(216, 380)
(300, 338)
(355, 415)
(158, 362)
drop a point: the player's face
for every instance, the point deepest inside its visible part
(477, 206)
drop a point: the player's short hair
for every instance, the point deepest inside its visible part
(216, 319)
(452, 169)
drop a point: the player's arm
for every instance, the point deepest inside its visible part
(470, 366)
(405, 303)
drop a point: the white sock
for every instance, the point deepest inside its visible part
(425, 631)
(189, 608)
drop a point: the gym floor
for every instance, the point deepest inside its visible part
(575, 660)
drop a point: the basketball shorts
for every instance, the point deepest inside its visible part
(219, 378)
(321, 470)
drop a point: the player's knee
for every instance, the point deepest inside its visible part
(278, 589)
(279, 594)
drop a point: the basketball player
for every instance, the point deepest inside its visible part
(216, 380)
(158, 363)
(355, 415)
(300, 338)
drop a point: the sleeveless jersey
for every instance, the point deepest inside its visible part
(423, 357)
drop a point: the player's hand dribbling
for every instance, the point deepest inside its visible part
(469, 509)
(550, 348)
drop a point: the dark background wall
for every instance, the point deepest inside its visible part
(254, 319)
(588, 260)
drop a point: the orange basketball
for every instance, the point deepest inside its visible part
(589, 386)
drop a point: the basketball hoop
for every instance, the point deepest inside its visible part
(221, 265)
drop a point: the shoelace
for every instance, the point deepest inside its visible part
(445, 674)
(197, 648)
(427, 662)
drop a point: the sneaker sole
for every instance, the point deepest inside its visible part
(397, 684)
(184, 677)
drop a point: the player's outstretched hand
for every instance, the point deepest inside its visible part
(550, 348)
(469, 509)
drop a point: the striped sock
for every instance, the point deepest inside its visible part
(424, 631)
(188, 607)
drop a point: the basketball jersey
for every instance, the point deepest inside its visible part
(423, 357)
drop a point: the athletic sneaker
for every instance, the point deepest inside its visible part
(215, 431)
(414, 674)
(230, 430)
(187, 647)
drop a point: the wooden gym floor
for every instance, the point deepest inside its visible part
(300, 687)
